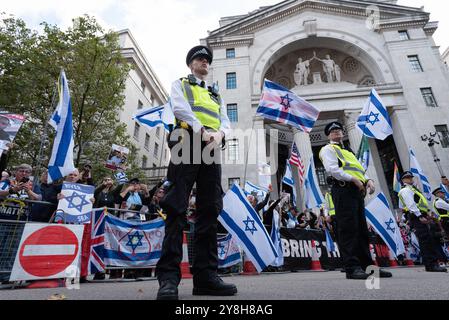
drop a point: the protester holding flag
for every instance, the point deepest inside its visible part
(349, 188)
(415, 204)
(201, 126)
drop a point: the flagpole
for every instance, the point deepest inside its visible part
(247, 151)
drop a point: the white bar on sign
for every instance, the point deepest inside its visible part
(49, 250)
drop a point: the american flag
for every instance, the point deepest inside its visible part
(295, 160)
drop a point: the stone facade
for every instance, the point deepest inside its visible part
(381, 54)
(143, 90)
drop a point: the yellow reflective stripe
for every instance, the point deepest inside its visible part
(438, 210)
(353, 169)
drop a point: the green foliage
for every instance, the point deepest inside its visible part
(30, 64)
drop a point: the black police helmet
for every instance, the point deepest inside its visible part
(199, 51)
(332, 126)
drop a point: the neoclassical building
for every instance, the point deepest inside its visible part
(332, 53)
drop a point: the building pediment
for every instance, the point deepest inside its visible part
(391, 15)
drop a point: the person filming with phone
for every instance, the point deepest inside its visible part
(21, 186)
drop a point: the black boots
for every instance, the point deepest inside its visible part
(168, 290)
(357, 274)
(435, 268)
(213, 287)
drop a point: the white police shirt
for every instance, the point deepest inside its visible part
(408, 196)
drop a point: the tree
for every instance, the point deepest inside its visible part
(30, 64)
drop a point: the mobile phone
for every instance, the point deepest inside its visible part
(24, 180)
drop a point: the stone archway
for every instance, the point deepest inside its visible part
(378, 69)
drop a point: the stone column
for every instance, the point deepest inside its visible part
(304, 146)
(355, 138)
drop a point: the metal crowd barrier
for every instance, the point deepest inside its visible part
(10, 235)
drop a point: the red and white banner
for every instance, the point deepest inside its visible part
(48, 251)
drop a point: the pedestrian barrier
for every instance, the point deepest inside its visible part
(10, 235)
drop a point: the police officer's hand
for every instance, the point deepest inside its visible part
(217, 137)
(424, 220)
(358, 184)
(370, 187)
(206, 136)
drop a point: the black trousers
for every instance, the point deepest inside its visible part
(445, 225)
(352, 230)
(427, 242)
(209, 203)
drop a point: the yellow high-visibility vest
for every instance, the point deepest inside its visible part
(330, 204)
(205, 106)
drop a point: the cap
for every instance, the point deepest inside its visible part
(332, 126)
(437, 190)
(199, 51)
(134, 180)
(407, 174)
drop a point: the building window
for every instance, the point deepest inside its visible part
(231, 182)
(156, 150)
(233, 114)
(415, 63)
(233, 150)
(136, 131)
(158, 132)
(429, 98)
(443, 134)
(147, 141)
(142, 85)
(403, 35)
(231, 80)
(230, 53)
(144, 161)
(139, 105)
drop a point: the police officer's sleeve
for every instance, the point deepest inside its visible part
(441, 204)
(181, 107)
(409, 200)
(224, 119)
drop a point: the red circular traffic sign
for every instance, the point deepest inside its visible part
(48, 251)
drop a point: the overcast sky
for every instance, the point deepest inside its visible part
(166, 29)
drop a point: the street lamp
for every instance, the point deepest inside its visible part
(431, 144)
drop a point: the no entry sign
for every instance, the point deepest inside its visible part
(48, 252)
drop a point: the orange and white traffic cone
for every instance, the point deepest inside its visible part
(408, 259)
(392, 260)
(315, 265)
(185, 266)
(373, 254)
(248, 267)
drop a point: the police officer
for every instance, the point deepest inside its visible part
(349, 187)
(415, 204)
(441, 207)
(200, 116)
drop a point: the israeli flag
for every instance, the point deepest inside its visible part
(312, 193)
(251, 188)
(76, 204)
(379, 216)
(240, 219)
(446, 191)
(276, 238)
(374, 121)
(290, 181)
(61, 161)
(415, 168)
(330, 244)
(156, 116)
(228, 252)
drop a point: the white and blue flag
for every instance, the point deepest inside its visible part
(132, 243)
(330, 244)
(242, 221)
(415, 168)
(61, 161)
(446, 191)
(76, 206)
(276, 238)
(156, 116)
(379, 216)
(374, 120)
(312, 192)
(228, 252)
(251, 188)
(289, 180)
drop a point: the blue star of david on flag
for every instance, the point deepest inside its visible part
(78, 205)
(389, 227)
(135, 240)
(247, 223)
(375, 120)
(286, 101)
(221, 249)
